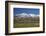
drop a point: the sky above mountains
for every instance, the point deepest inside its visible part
(26, 10)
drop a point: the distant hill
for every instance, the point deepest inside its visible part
(25, 15)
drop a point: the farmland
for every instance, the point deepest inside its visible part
(26, 22)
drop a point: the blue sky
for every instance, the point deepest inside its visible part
(26, 10)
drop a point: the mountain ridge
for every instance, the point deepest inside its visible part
(26, 15)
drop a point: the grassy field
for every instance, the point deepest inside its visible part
(17, 25)
(26, 22)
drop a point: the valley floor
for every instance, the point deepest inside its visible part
(23, 25)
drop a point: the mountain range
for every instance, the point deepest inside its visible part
(26, 15)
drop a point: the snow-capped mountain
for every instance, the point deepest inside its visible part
(26, 15)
